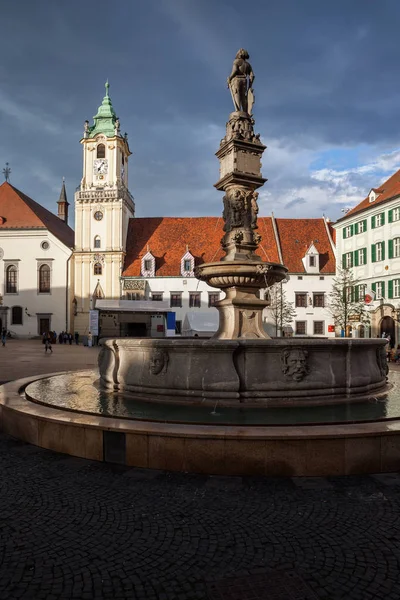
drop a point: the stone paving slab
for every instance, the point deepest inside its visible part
(77, 529)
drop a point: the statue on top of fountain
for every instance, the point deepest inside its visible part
(240, 83)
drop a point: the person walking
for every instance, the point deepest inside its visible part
(89, 339)
(47, 344)
(70, 339)
(3, 336)
(61, 337)
(76, 338)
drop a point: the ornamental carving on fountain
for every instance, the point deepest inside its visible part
(241, 273)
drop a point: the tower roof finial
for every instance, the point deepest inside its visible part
(6, 172)
(107, 86)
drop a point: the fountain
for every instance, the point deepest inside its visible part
(241, 363)
(285, 406)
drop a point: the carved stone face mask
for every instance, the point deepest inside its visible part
(157, 363)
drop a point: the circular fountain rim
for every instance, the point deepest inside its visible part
(12, 398)
(131, 396)
(318, 450)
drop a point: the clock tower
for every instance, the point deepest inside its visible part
(103, 207)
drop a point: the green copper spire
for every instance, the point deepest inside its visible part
(105, 119)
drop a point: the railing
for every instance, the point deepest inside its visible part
(113, 194)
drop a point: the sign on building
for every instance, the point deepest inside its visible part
(94, 322)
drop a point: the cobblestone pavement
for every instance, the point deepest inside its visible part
(71, 528)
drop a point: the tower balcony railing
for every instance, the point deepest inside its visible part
(120, 191)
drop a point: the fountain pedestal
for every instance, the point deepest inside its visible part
(241, 273)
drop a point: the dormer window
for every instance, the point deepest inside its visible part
(311, 259)
(148, 267)
(373, 195)
(187, 265)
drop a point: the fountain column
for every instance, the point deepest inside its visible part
(241, 272)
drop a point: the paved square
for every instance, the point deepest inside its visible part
(76, 529)
(278, 585)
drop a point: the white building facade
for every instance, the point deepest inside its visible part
(368, 242)
(35, 253)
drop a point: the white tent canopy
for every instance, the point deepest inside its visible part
(201, 324)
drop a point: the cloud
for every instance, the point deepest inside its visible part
(295, 202)
(27, 116)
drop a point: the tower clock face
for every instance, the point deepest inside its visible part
(100, 166)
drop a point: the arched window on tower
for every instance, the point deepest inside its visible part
(101, 151)
(98, 269)
(11, 280)
(44, 279)
(97, 241)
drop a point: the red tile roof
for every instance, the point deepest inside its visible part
(388, 190)
(296, 236)
(167, 237)
(18, 211)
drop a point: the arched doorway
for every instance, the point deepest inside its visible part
(349, 331)
(361, 331)
(388, 327)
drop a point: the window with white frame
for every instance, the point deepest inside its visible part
(97, 242)
(157, 296)
(44, 279)
(361, 291)
(301, 327)
(348, 260)
(347, 231)
(379, 290)
(11, 280)
(194, 300)
(318, 328)
(148, 265)
(396, 214)
(361, 256)
(176, 299)
(378, 220)
(378, 251)
(360, 227)
(396, 247)
(349, 294)
(396, 288)
(187, 265)
(213, 297)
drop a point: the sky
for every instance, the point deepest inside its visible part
(327, 92)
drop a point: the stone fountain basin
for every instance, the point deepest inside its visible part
(282, 372)
(225, 274)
